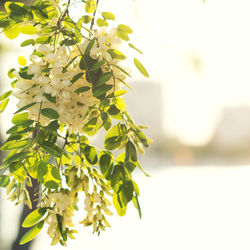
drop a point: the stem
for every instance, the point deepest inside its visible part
(93, 19)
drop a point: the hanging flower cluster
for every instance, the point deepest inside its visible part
(71, 89)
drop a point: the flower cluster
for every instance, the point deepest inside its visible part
(51, 78)
(51, 82)
(60, 207)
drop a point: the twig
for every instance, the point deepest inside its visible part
(93, 19)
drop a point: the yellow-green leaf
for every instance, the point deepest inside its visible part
(100, 22)
(133, 47)
(125, 28)
(120, 210)
(32, 233)
(20, 118)
(90, 6)
(22, 61)
(5, 95)
(13, 31)
(4, 180)
(108, 15)
(28, 30)
(6, 5)
(140, 67)
(3, 105)
(34, 217)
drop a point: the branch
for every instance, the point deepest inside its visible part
(93, 20)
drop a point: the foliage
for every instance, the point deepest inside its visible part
(68, 92)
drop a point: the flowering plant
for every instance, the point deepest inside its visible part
(71, 89)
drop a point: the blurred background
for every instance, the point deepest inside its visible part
(197, 107)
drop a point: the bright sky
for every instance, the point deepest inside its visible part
(200, 53)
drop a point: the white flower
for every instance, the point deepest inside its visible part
(37, 60)
(51, 57)
(34, 69)
(44, 49)
(43, 80)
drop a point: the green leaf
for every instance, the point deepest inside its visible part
(107, 125)
(90, 154)
(107, 122)
(120, 210)
(86, 19)
(28, 29)
(118, 175)
(126, 192)
(123, 35)
(125, 28)
(108, 15)
(17, 169)
(20, 118)
(43, 39)
(12, 144)
(77, 77)
(28, 42)
(90, 46)
(4, 23)
(14, 137)
(5, 95)
(82, 89)
(13, 31)
(102, 90)
(114, 137)
(50, 98)
(130, 152)
(122, 70)
(103, 78)
(51, 148)
(140, 67)
(140, 167)
(116, 54)
(22, 61)
(138, 206)
(100, 22)
(3, 105)
(4, 180)
(50, 113)
(42, 170)
(8, 3)
(32, 233)
(115, 112)
(55, 173)
(24, 73)
(117, 93)
(106, 164)
(19, 127)
(97, 65)
(141, 136)
(34, 217)
(53, 126)
(133, 47)
(11, 158)
(68, 42)
(10, 75)
(25, 107)
(17, 12)
(90, 6)
(51, 184)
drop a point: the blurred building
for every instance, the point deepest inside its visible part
(233, 129)
(146, 107)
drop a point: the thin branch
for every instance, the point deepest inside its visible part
(93, 19)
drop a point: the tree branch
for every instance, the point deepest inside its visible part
(93, 19)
